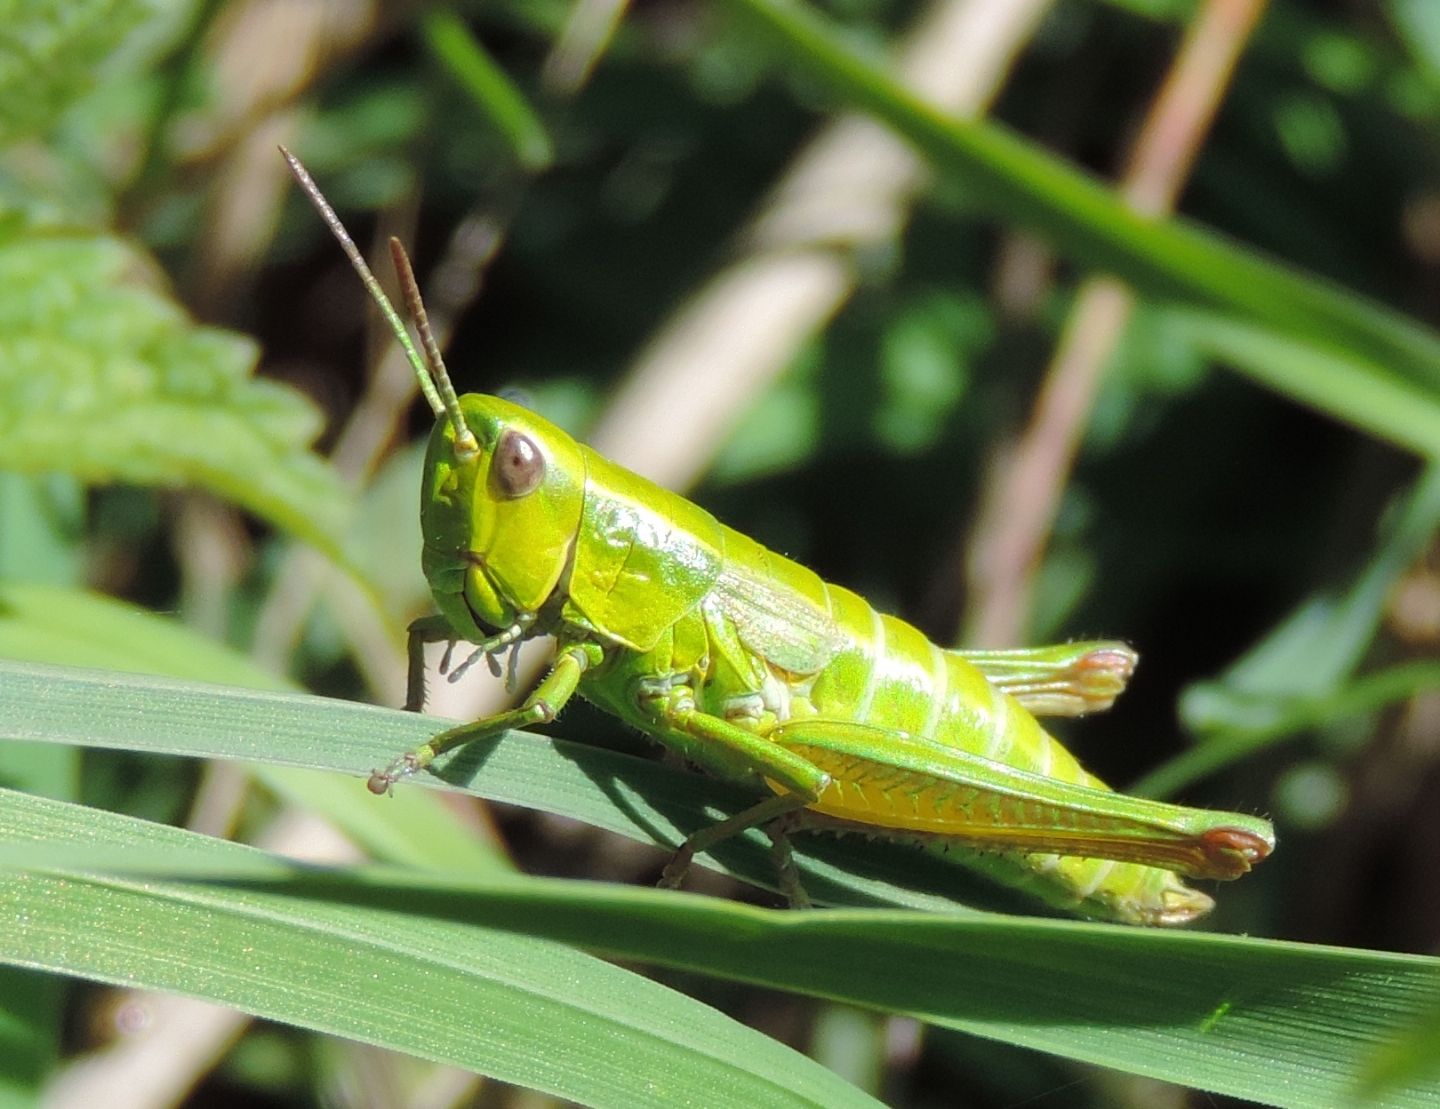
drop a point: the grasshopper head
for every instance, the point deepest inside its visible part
(503, 488)
(499, 519)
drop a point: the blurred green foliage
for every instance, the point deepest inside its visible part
(1253, 505)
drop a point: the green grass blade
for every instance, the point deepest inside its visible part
(519, 1009)
(1272, 718)
(1362, 393)
(1019, 183)
(1302, 674)
(52, 624)
(55, 624)
(637, 798)
(492, 92)
(1216, 1012)
(1412, 1057)
(1284, 1023)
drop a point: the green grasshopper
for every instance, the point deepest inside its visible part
(752, 668)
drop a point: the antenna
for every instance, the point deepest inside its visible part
(434, 381)
(465, 445)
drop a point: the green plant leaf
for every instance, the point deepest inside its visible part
(637, 798)
(1217, 1012)
(1302, 673)
(1017, 182)
(487, 87)
(519, 1009)
(60, 625)
(414, 828)
(42, 623)
(1411, 1057)
(1285, 1023)
(1363, 393)
(102, 378)
(49, 53)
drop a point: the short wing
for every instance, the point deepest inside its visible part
(780, 609)
(1069, 679)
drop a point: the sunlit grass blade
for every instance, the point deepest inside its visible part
(637, 798)
(523, 1010)
(1283, 1023)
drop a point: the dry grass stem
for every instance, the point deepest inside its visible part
(1019, 503)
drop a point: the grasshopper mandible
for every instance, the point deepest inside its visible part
(752, 668)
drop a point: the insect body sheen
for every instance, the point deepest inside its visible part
(722, 649)
(754, 669)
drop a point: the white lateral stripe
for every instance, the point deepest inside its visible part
(877, 654)
(999, 743)
(939, 690)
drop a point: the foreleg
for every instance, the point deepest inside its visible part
(540, 707)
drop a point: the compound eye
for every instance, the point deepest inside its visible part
(519, 466)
